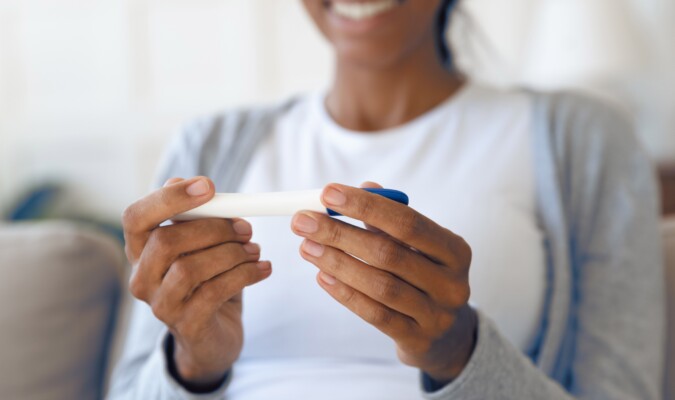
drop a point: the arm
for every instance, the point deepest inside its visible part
(147, 368)
(609, 192)
(408, 277)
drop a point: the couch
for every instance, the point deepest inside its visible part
(62, 300)
(59, 300)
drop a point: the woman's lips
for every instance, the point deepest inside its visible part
(359, 11)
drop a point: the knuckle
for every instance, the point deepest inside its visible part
(246, 275)
(461, 295)
(334, 234)
(129, 218)
(457, 296)
(349, 297)
(389, 253)
(364, 206)
(252, 275)
(387, 289)
(232, 254)
(137, 287)
(129, 251)
(211, 293)
(410, 225)
(181, 271)
(458, 246)
(380, 316)
(466, 253)
(160, 308)
(333, 262)
(162, 241)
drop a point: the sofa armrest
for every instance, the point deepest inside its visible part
(59, 293)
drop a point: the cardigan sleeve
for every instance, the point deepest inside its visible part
(498, 370)
(143, 370)
(615, 331)
(617, 256)
(218, 147)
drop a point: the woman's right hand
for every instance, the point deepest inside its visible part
(192, 275)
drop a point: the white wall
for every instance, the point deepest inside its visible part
(91, 90)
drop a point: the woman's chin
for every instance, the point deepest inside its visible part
(373, 32)
(368, 55)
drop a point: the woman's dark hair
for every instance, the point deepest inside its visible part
(442, 21)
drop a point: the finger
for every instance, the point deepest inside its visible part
(220, 289)
(167, 243)
(150, 211)
(375, 249)
(379, 285)
(371, 185)
(388, 321)
(397, 220)
(189, 272)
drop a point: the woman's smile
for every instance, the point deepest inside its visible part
(361, 17)
(358, 11)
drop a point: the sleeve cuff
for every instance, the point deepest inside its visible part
(433, 392)
(172, 387)
(496, 369)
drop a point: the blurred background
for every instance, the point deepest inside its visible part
(92, 90)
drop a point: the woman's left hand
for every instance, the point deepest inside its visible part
(405, 275)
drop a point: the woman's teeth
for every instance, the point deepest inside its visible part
(359, 11)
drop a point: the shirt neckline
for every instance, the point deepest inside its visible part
(335, 132)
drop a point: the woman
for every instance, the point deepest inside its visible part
(538, 208)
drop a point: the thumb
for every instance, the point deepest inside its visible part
(177, 196)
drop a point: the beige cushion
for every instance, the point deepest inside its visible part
(669, 242)
(59, 289)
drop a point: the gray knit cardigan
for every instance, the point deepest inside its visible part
(603, 333)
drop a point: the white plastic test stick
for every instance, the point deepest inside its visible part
(231, 205)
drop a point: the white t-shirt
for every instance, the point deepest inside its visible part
(467, 164)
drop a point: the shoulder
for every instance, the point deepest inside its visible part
(483, 99)
(593, 150)
(206, 144)
(581, 126)
(219, 128)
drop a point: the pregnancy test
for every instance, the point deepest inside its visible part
(231, 205)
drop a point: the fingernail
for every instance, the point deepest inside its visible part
(242, 227)
(327, 279)
(198, 188)
(312, 248)
(305, 223)
(264, 265)
(334, 197)
(252, 248)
